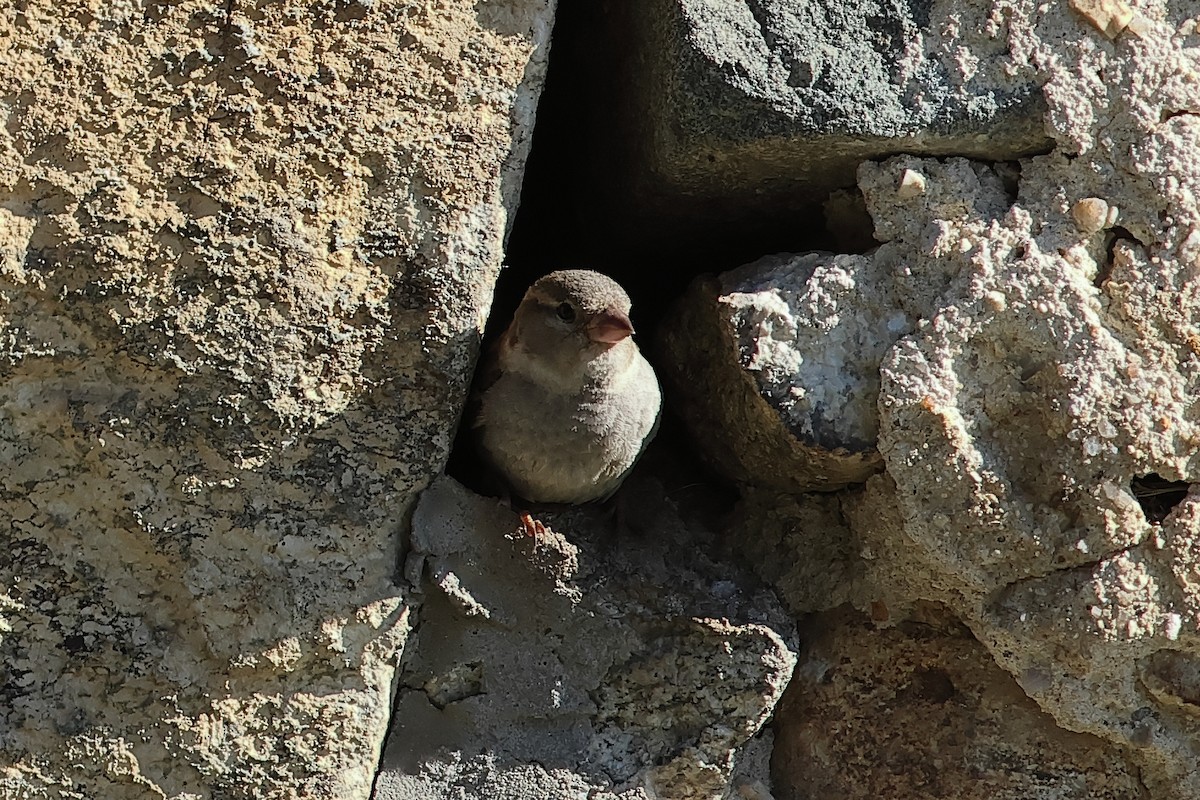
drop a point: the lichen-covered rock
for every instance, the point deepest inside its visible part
(245, 252)
(576, 664)
(922, 710)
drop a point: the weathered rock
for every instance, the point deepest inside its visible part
(1014, 426)
(922, 710)
(776, 363)
(577, 664)
(800, 545)
(756, 106)
(1015, 422)
(245, 253)
(711, 363)
(819, 551)
(1041, 426)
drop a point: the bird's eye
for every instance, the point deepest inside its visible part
(565, 312)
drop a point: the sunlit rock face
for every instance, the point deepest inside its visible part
(245, 252)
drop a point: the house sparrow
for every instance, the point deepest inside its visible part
(566, 401)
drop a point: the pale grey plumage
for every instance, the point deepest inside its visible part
(568, 402)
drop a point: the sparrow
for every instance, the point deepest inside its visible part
(567, 403)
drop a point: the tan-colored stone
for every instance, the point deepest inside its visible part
(1091, 214)
(1110, 17)
(245, 254)
(922, 711)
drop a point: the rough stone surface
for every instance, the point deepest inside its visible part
(754, 104)
(1040, 424)
(922, 710)
(788, 349)
(1017, 421)
(245, 251)
(585, 663)
(799, 544)
(727, 359)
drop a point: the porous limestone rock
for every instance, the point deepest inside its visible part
(922, 710)
(777, 362)
(245, 253)
(1017, 424)
(787, 349)
(1018, 421)
(1040, 425)
(583, 663)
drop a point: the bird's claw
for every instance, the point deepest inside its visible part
(533, 528)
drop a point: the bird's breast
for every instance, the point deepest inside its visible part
(567, 448)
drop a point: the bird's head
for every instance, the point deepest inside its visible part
(567, 320)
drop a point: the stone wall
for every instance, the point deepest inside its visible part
(246, 250)
(246, 253)
(1019, 351)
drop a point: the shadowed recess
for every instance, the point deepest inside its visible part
(1158, 496)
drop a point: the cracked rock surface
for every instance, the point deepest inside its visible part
(245, 252)
(583, 663)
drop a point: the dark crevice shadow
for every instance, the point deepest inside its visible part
(1158, 496)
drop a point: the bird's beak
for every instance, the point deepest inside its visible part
(609, 326)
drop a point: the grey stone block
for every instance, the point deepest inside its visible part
(578, 664)
(752, 104)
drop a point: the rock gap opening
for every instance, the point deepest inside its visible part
(1158, 496)
(589, 200)
(585, 204)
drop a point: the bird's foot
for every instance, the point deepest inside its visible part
(533, 528)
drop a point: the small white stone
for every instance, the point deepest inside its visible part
(912, 184)
(1139, 26)
(1091, 214)
(1173, 626)
(996, 301)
